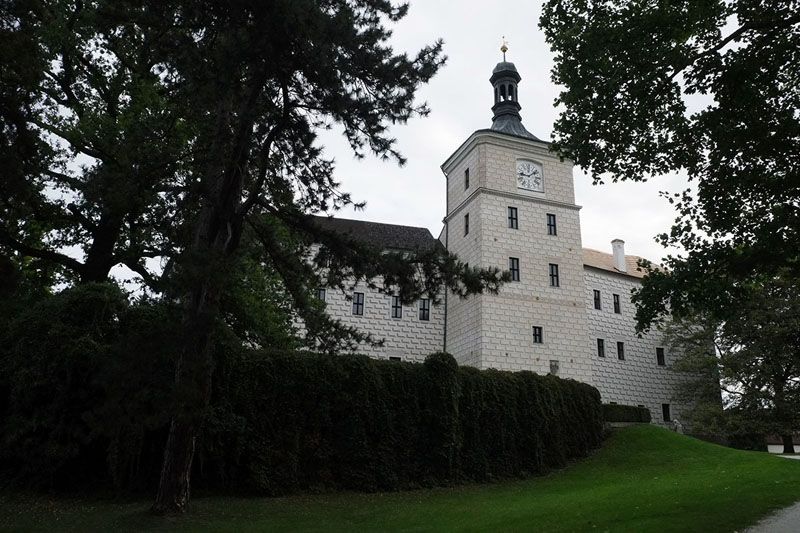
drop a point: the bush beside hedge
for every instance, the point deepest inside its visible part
(613, 412)
(303, 421)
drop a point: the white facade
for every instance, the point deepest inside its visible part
(536, 322)
(407, 337)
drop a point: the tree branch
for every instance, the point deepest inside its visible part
(39, 253)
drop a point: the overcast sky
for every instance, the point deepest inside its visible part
(460, 98)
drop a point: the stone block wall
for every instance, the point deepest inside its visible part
(638, 379)
(407, 337)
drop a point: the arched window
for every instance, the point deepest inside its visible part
(496, 96)
(510, 92)
(503, 92)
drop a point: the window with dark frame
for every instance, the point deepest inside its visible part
(513, 220)
(601, 348)
(397, 307)
(660, 357)
(424, 309)
(537, 335)
(358, 303)
(551, 224)
(620, 350)
(665, 414)
(513, 267)
(466, 224)
(597, 302)
(617, 308)
(466, 179)
(321, 294)
(554, 282)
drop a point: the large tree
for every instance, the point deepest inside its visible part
(708, 88)
(753, 357)
(186, 132)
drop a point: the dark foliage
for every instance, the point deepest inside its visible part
(80, 401)
(613, 412)
(285, 422)
(84, 376)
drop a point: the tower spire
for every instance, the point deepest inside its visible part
(506, 106)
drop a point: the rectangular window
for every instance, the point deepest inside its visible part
(424, 309)
(597, 303)
(551, 224)
(513, 267)
(660, 357)
(466, 224)
(537, 335)
(554, 275)
(513, 220)
(397, 307)
(554, 367)
(395, 358)
(601, 348)
(466, 179)
(321, 295)
(358, 303)
(621, 351)
(665, 412)
(617, 308)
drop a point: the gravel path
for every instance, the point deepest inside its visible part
(784, 521)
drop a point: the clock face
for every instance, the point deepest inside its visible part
(529, 176)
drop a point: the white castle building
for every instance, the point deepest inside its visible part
(511, 204)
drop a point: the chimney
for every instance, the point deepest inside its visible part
(618, 246)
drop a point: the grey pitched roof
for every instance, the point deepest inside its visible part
(385, 236)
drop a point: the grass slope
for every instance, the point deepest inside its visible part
(643, 479)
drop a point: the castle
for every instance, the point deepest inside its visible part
(567, 310)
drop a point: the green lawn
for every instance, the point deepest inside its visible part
(643, 479)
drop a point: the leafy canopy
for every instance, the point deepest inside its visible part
(709, 88)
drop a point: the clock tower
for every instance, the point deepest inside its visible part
(511, 205)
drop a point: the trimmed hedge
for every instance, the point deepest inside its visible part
(288, 421)
(613, 412)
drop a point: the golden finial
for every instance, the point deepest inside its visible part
(504, 48)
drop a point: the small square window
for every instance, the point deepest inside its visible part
(424, 309)
(397, 307)
(665, 414)
(513, 220)
(466, 179)
(537, 335)
(601, 348)
(551, 224)
(554, 281)
(358, 303)
(321, 294)
(617, 308)
(662, 361)
(554, 367)
(513, 267)
(466, 224)
(621, 351)
(597, 302)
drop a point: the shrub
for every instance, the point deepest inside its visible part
(287, 421)
(613, 412)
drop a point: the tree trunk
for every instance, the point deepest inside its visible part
(173, 487)
(788, 443)
(216, 237)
